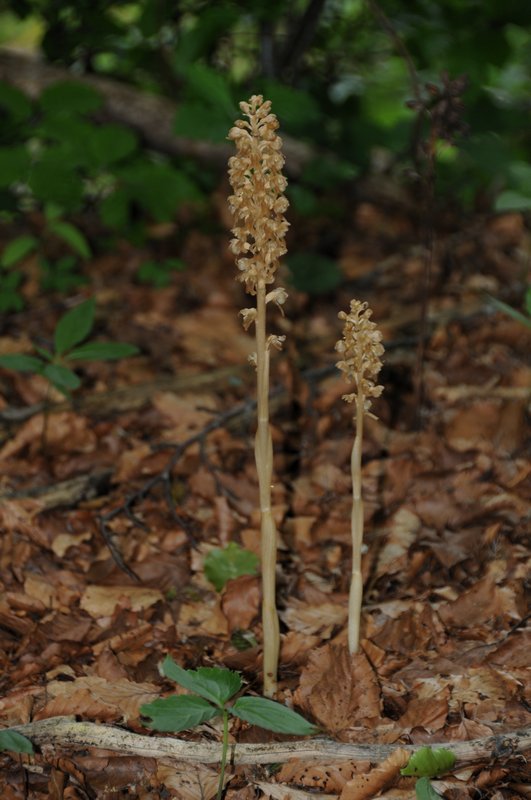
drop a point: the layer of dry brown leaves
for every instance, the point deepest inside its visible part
(445, 652)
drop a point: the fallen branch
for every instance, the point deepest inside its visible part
(65, 732)
(152, 116)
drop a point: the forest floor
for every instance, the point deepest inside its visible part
(445, 650)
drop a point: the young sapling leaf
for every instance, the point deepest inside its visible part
(15, 742)
(18, 249)
(178, 712)
(272, 716)
(216, 685)
(61, 377)
(102, 351)
(71, 235)
(74, 326)
(425, 791)
(21, 363)
(428, 763)
(224, 564)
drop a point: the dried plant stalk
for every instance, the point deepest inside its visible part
(258, 205)
(360, 348)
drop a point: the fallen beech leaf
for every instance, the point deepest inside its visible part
(240, 601)
(190, 782)
(308, 618)
(402, 533)
(325, 777)
(101, 601)
(364, 787)
(339, 690)
(63, 541)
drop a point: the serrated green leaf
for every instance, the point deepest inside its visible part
(426, 762)
(74, 326)
(14, 102)
(272, 716)
(158, 188)
(67, 97)
(55, 180)
(195, 120)
(425, 791)
(212, 683)
(18, 249)
(71, 235)
(14, 165)
(177, 713)
(15, 742)
(512, 201)
(224, 564)
(111, 143)
(61, 377)
(102, 351)
(212, 88)
(21, 363)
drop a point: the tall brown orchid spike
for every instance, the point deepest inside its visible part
(258, 205)
(360, 349)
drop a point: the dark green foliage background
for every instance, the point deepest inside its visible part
(336, 74)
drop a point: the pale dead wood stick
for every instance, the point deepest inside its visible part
(65, 732)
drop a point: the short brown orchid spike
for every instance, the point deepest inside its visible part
(258, 205)
(360, 348)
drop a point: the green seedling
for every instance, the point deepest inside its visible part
(224, 564)
(15, 742)
(212, 689)
(425, 764)
(55, 365)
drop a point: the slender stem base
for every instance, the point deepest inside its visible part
(264, 467)
(356, 582)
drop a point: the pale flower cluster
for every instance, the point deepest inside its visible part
(258, 202)
(360, 348)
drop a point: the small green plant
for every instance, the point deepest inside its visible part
(56, 365)
(212, 689)
(427, 763)
(224, 564)
(15, 742)
(360, 349)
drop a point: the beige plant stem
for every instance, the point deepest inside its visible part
(361, 349)
(356, 528)
(258, 204)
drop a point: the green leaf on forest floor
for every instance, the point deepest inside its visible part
(425, 791)
(15, 742)
(177, 713)
(216, 685)
(426, 762)
(224, 564)
(272, 716)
